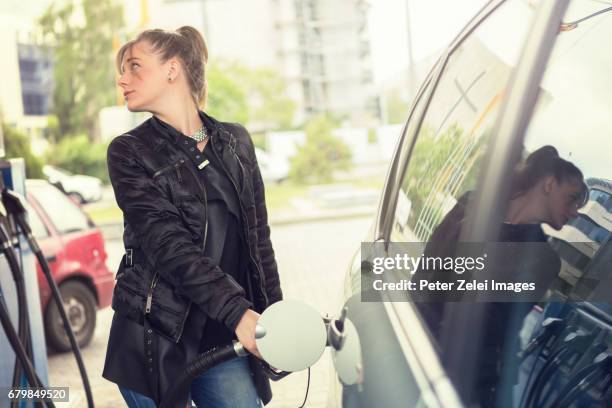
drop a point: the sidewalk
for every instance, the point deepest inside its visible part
(114, 230)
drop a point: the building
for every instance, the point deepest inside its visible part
(320, 47)
(324, 50)
(26, 89)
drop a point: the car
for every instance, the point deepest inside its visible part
(80, 188)
(74, 249)
(520, 75)
(273, 169)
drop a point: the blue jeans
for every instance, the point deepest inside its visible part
(228, 385)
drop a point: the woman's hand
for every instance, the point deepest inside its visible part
(245, 331)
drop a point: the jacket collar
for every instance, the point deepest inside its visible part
(216, 131)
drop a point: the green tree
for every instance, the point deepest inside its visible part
(79, 155)
(441, 165)
(321, 155)
(16, 144)
(256, 95)
(271, 107)
(81, 35)
(226, 99)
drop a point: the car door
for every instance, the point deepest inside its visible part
(441, 155)
(570, 112)
(49, 244)
(75, 246)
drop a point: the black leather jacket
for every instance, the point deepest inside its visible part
(164, 208)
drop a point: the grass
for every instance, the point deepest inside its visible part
(278, 197)
(104, 215)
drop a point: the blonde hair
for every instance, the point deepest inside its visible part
(188, 45)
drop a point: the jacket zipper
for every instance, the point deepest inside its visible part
(177, 168)
(242, 212)
(150, 293)
(149, 303)
(204, 199)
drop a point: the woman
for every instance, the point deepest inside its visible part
(545, 189)
(199, 265)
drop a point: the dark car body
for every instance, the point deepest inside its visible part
(72, 245)
(495, 94)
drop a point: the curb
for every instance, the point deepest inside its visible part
(114, 230)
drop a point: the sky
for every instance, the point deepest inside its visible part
(435, 23)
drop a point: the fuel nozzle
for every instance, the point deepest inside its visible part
(551, 327)
(14, 207)
(336, 335)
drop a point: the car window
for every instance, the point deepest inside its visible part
(446, 158)
(64, 214)
(56, 171)
(573, 115)
(572, 121)
(36, 224)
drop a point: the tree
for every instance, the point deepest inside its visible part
(271, 107)
(321, 155)
(81, 34)
(17, 144)
(442, 164)
(226, 99)
(254, 96)
(79, 155)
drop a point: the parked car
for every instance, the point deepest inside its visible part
(521, 75)
(74, 249)
(80, 188)
(275, 170)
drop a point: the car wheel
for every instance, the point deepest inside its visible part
(81, 308)
(76, 197)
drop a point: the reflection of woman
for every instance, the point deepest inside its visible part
(545, 189)
(199, 264)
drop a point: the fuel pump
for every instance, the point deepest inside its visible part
(22, 342)
(22, 346)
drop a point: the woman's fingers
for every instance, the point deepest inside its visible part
(245, 331)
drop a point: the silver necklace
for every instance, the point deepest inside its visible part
(200, 135)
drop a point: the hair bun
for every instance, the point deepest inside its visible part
(543, 154)
(196, 40)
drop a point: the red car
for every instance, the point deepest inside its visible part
(74, 249)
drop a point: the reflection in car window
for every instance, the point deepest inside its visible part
(38, 228)
(64, 214)
(573, 115)
(446, 157)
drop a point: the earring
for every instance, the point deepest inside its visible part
(169, 79)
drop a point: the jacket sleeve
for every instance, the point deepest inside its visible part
(264, 243)
(157, 225)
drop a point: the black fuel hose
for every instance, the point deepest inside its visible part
(574, 343)
(199, 365)
(220, 354)
(20, 351)
(584, 380)
(22, 305)
(14, 207)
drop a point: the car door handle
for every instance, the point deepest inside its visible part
(51, 258)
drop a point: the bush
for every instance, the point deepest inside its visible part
(78, 155)
(321, 155)
(16, 144)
